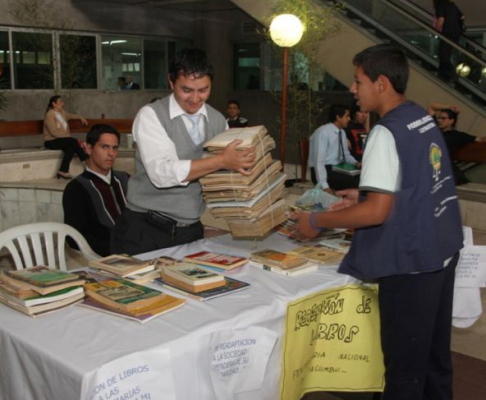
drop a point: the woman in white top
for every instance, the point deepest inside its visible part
(57, 135)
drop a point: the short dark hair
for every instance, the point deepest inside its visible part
(387, 60)
(191, 61)
(233, 102)
(337, 110)
(93, 136)
(450, 114)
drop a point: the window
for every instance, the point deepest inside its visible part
(121, 57)
(78, 62)
(33, 67)
(155, 64)
(4, 61)
(247, 66)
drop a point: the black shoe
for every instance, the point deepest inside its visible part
(63, 175)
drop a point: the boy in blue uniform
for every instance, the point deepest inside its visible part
(408, 229)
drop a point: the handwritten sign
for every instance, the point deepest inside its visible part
(332, 343)
(138, 376)
(471, 268)
(238, 359)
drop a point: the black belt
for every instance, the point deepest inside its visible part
(164, 221)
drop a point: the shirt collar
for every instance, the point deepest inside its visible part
(175, 109)
(105, 178)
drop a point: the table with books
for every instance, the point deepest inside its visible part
(56, 356)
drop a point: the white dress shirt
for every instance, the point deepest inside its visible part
(324, 149)
(158, 151)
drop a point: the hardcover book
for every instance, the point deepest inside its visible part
(122, 294)
(217, 260)
(122, 265)
(232, 285)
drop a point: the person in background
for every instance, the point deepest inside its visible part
(94, 200)
(356, 131)
(408, 229)
(449, 21)
(234, 120)
(57, 135)
(328, 146)
(165, 200)
(122, 83)
(446, 118)
(130, 85)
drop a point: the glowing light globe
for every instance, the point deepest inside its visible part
(286, 30)
(463, 70)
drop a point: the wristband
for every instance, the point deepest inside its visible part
(311, 223)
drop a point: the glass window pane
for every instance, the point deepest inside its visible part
(247, 66)
(119, 55)
(33, 60)
(78, 62)
(155, 64)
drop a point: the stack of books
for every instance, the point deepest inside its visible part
(198, 283)
(131, 268)
(251, 205)
(39, 290)
(124, 298)
(281, 263)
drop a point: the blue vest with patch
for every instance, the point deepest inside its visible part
(424, 226)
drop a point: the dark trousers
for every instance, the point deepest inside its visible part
(337, 180)
(69, 146)
(446, 68)
(416, 317)
(136, 233)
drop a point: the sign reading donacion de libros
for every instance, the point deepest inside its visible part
(332, 343)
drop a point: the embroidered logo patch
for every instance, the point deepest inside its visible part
(435, 155)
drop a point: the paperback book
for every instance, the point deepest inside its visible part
(318, 254)
(250, 136)
(38, 280)
(231, 286)
(289, 271)
(339, 244)
(122, 294)
(218, 260)
(277, 259)
(348, 169)
(122, 265)
(192, 277)
(142, 315)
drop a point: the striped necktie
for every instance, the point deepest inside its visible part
(194, 131)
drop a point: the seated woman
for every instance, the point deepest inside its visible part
(57, 137)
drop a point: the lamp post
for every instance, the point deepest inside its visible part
(286, 31)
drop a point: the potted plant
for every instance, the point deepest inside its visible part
(304, 103)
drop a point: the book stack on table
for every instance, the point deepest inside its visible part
(251, 205)
(124, 298)
(39, 290)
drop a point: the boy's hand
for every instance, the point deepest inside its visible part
(348, 196)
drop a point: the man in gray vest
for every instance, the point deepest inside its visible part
(164, 196)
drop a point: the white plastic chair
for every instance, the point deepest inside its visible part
(40, 240)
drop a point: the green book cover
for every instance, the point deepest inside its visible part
(42, 276)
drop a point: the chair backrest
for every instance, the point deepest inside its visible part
(45, 241)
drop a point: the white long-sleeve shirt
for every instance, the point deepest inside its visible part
(324, 149)
(157, 150)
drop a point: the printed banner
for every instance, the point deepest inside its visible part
(471, 268)
(138, 376)
(238, 360)
(332, 343)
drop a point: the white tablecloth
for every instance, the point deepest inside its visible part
(47, 357)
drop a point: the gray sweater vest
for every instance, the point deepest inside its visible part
(182, 203)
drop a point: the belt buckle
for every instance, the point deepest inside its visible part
(181, 224)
